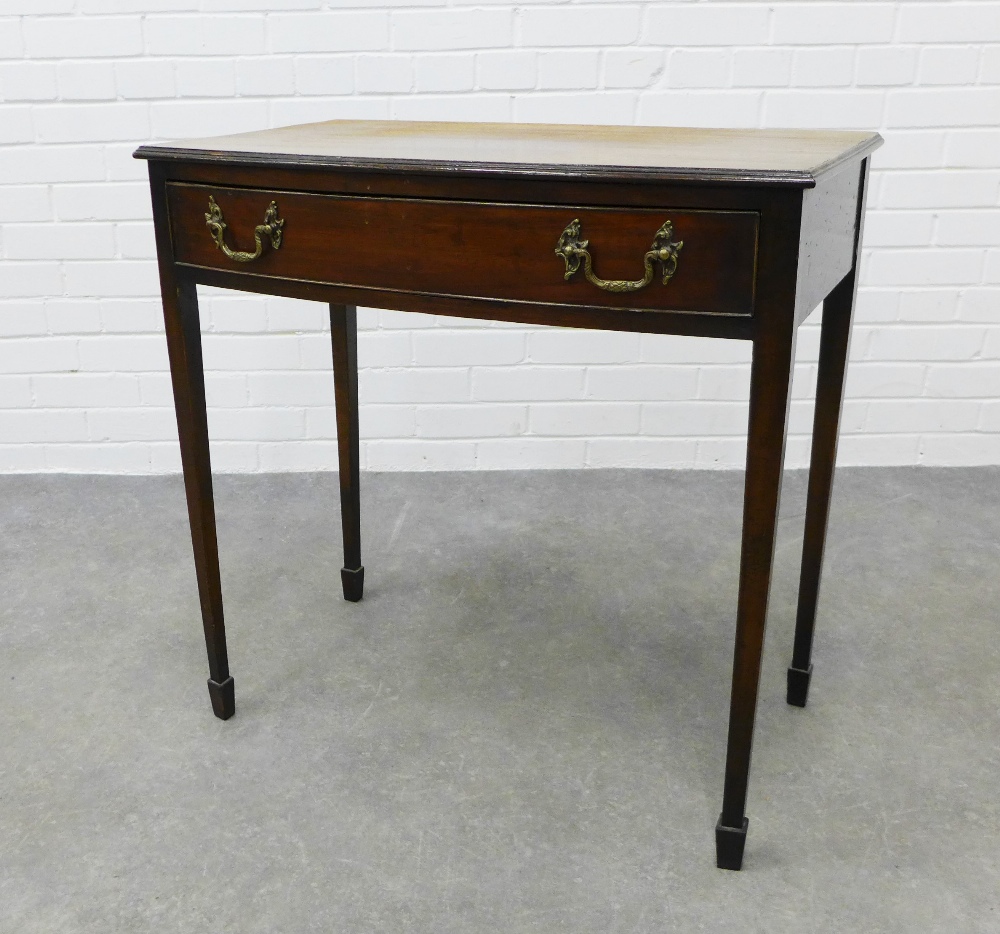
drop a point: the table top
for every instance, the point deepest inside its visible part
(783, 157)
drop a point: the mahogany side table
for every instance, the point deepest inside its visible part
(718, 233)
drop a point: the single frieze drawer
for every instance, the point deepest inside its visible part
(650, 259)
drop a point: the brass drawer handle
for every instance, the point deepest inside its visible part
(664, 250)
(270, 228)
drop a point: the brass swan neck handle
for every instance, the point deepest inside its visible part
(574, 251)
(270, 229)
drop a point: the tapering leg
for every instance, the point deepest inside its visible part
(344, 331)
(180, 311)
(770, 380)
(834, 347)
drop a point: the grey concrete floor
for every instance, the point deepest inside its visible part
(522, 726)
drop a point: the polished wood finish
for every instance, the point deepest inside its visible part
(344, 335)
(373, 181)
(463, 220)
(501, 251)
(834, 349)
(828, 236)
(690, 154)
(183, 327)
(734, 327)
(770, 392)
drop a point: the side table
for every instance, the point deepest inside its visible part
(719, 233)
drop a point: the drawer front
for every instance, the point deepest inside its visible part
(614, 258)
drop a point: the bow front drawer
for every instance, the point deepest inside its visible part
(632, 258)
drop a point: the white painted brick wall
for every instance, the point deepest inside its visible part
(83, 379)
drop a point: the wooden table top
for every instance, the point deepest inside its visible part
(783, 157)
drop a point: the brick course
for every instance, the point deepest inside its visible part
(83, 381)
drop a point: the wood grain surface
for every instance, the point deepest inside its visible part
(796, 157)
(501, 251)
